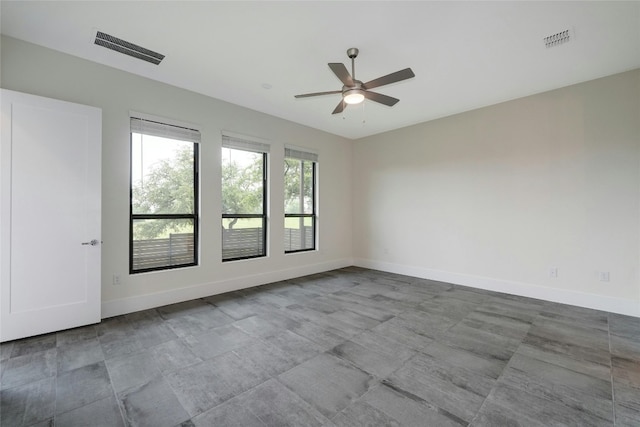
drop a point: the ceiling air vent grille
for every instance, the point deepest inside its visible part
(558, 38)
(127, 48)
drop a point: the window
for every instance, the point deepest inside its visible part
(163, 230)
(299, 200)
(244, 195)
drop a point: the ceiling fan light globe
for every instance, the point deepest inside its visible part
(354, 97)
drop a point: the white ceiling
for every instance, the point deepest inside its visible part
(465, 54)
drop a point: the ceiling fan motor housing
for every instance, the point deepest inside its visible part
(357, 85)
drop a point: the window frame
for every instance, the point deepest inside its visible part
(196, 197)
(264, 151)
(313, 215)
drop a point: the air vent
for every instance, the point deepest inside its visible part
(122, 46)
(558, 38)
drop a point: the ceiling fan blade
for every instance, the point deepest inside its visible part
(340, 107)
(390, 78)
(341, 71)
(306, 95)
(382, 99)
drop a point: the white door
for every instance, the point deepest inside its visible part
(50, 195)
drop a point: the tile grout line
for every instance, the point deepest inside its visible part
(440, 334)
(237, 396)
(55, 387)
(613, 394)
(505, 368)
(354, 401)
(115, 393)
(277, 379)
(166, 380)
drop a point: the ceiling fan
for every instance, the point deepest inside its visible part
(354, 91)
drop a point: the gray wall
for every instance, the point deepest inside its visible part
(498, 196)
(40, 71)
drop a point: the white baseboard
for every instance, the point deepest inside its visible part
(143, 302)
(580, 299)
(598, 302)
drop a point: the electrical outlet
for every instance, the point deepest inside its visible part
(604, 276)
(553, 272)
(116, 279)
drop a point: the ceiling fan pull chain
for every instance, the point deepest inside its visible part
(364, 116)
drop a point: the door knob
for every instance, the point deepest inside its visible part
(94, 242)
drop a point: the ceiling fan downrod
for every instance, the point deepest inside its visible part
(353, 54)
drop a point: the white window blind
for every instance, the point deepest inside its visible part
(150, 127)
(244, 144)
(293, 153)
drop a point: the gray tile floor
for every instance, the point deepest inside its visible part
(350, 347)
